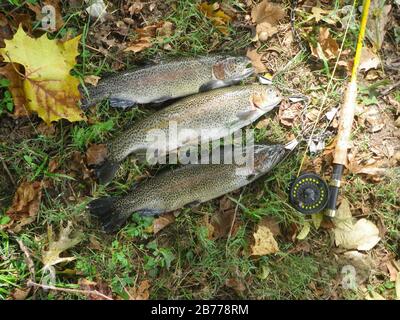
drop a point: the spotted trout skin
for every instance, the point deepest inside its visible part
(170, 80)
(191, 184)
(212, 115)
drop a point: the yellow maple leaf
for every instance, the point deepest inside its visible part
(218, 18)
(49, 88)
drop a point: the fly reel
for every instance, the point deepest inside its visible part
(309, 193)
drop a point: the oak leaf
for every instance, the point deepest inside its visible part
(25, 205)
(49, 88)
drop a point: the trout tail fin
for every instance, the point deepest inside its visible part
(107, 212)
(106, 172)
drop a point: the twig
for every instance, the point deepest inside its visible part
(233, 221)
(8, 172)
(28, 259)
(390, 88)
(86, 292)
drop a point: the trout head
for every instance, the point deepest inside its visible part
(267, 156)
(265, 97)
(232, 69)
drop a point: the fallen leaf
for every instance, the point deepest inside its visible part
(141, 292)
(136, 7)
(218, 17)
(377, 21)
(327, 47)
(368, 60)
(10, 72)
(343, 218)
(5, 30)
(364, 235)
(166, 30)
(20, 294)
(256, 60)
(96, 154)
(162, 221)
(25, 205)
(45, 129)
(266, 11)
(221, 223)
(392, 270)
(264, 242)
(77, 164)
(98, 286)
(49, 88)
(235, 284)
(92, 79)
(289, 113)
(317, 219)
(140, 45)
(304, 231)
(272, 224)
(397, 285)
(264, 31)
(51, 255)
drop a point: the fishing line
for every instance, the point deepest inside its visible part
(326, 91)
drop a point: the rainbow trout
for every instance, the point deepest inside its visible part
(209, 115)
(165, 81)
(188, 185)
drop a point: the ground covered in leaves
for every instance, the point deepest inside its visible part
(248, 244)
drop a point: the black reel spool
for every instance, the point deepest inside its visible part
(309, 193)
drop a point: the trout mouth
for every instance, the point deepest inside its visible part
(246, 73)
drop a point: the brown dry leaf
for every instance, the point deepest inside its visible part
(267, 12)
(38, 10)
(166, 30)
(92, 79)
(162, 221)
(221, 223)
(5, 30)
(368, 60)
(264, 242)
(377, 21)
(327, 47)
(272, 224)
(235, 284)
(51, 255)
(392, 270)
(78, 166)
(140, 45)
(256, 60)
(141, 292)
(98, 286)
(265, 30)
(96, 154)
(20, 294)
(45, 129)
(136, 7)
(10, 71)
(25, 204)
(289, 113)
(218, 17)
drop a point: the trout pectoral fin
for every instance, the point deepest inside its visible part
(121, 103)
(214, 84)
(243, 115)
(150, 212)
(194, 204)
(162, 99)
